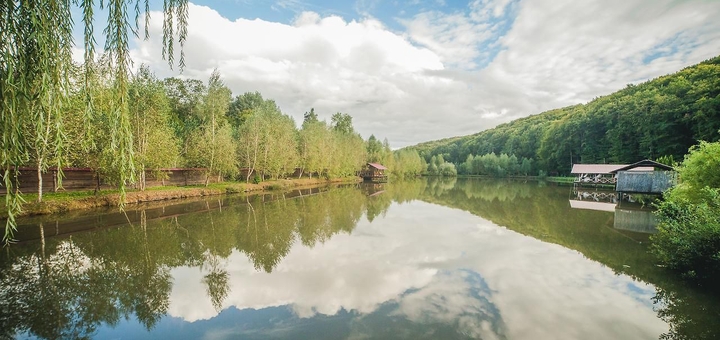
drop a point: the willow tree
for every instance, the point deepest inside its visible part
(35, 61)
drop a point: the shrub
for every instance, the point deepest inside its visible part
(447, 169)
(701, 166)
(688, 238)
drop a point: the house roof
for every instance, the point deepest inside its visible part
(595, 168)
(603, 168)
(377, 166)
(645, 165)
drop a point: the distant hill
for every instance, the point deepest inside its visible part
(660, 117)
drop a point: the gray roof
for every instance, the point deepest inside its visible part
(645, 164)
(603, 168)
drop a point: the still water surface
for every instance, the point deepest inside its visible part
(426, 259)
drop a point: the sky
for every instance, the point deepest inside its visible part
(415, 71)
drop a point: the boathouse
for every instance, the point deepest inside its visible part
(644, 177)
(374, 172)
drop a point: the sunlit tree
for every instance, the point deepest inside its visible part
(36, 40)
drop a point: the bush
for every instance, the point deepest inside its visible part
(701, 166)
(688, 238)
(447, 169)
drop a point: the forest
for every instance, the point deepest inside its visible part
(662, 117)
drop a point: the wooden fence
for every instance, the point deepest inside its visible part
(77, 179)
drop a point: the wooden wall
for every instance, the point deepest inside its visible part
(647, 182)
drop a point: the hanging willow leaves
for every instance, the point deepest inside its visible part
(35, 62)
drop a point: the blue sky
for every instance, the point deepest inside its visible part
(414, 71)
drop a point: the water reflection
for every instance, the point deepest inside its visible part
(384, 261)
(629, 215)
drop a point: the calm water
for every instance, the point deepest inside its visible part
(432, 259)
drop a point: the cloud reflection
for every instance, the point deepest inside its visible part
(426, 262)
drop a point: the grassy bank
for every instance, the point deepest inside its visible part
(57, 202)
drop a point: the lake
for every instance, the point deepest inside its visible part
(422, 259)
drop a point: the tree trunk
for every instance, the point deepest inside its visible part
(143, 184)
(39, 175)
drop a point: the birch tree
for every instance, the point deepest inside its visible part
(155, 144)
(212, 147)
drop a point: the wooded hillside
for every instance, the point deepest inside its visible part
(661, 117)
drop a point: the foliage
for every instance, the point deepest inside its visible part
(688, 238)
(701, 167)
(242, 106)
(313, 145)
(667, 160)
(267, 141)
(447, 169)
(689, 230)
(438, 167)
(497, 166)
(184, 97)
(407, 164)
(212, 145)
(155, 144)
(35, 62)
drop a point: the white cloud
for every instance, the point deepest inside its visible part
(418, 85)
(562, 53)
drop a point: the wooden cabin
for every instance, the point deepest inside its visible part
(374, 172)
(642, 178)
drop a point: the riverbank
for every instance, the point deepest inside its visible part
(58, 202)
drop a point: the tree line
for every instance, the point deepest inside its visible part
(661, 117)
(187, 123)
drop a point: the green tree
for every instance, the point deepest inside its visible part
(342, 122)
(35, 59)
(155, 144)
(212, 145)
(184, 97)
(243, 106)
(313, 146)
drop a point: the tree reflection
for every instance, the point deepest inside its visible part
(542, 212)
(67, 287)
(690, 314)
(218, 284)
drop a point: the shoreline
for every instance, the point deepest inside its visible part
(55, 203)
